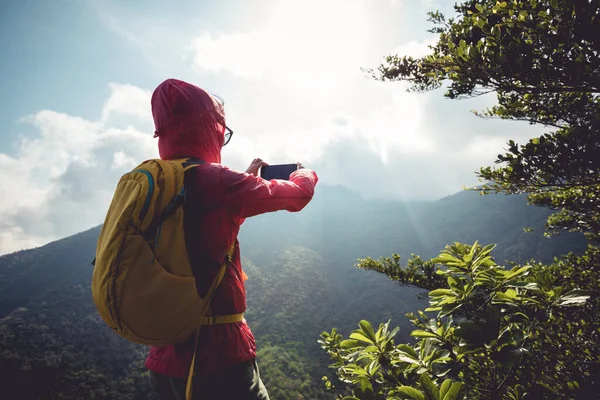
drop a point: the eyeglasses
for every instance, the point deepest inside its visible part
(228, 135)
(228, 132)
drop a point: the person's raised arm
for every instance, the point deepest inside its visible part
(247, 195)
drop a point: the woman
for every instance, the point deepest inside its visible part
(190, 123)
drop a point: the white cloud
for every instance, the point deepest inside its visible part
(408, 150)
(416, 146)
(122, 160)
(243, 54)
(414, 48)
(310, 47)
(393, 128)
(127, 100)
(427, 4)
(61, 181)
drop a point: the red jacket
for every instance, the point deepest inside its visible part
(189, 124)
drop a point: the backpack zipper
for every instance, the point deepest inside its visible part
(149, 195)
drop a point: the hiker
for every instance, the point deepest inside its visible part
(190, 123)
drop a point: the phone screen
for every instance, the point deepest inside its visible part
(281, 171)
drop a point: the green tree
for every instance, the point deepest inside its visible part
(542, 59)
(499, 333)
(522, 331)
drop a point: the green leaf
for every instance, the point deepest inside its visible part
(520, 392)
(468, 349)
(488, 262)
(355, 370)
(431, 390)
(454, 391)
(361, 337)
(393, 332)
(411, 392)
(524, 285)
(350, 344)
(442, 292)
(448, 309)
(371, 349)
(452, 282)
(445, 387)
(470, 331)
(573, 299)
(487, 249)
(366, 386)
(510, 294)
(445, 258)
(516, 271)
(367, 328)
(373, 367)
(520, 317)
(408, 350)
(423, 334)
(523, 15)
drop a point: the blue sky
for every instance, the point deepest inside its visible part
(61, 54)
(77, 76)
(58, 55)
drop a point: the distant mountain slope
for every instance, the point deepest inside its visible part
(34, 274)
(53, 344)
(341, 226)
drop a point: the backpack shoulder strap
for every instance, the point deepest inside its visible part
(228, 260)
(186, 163)
(191, 163)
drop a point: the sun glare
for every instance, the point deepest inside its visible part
(324, 44)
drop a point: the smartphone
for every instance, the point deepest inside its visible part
(281, 171)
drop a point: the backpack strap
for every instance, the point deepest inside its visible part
(231, 318)
(191, 163)
(180, 197)
(209, 320)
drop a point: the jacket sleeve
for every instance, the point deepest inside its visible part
(247, 195)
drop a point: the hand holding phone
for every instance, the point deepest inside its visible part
(281, 171)
(255, 165)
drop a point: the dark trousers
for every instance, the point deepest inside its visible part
(240, 382)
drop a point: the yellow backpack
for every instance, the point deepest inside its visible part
(143, 285)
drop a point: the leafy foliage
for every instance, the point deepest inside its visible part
(496, 331)
(542, 59)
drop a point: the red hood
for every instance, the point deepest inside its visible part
(188, 122)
